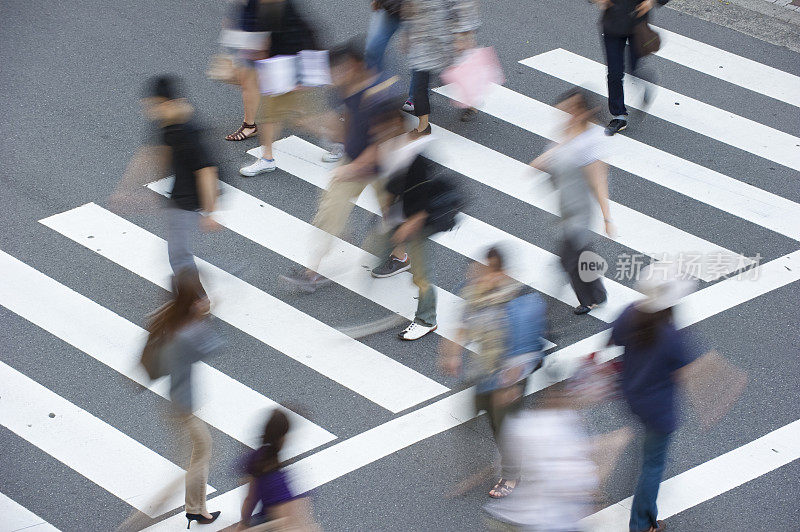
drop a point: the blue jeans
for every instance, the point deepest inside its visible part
(615, 59)
(382, 26)
(643, 509)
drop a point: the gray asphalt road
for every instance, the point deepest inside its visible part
(70, 80)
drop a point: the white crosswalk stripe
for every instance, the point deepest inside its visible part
(669, 105)
(106, 456)
(17, 518)
(116, 342)
(373, 375)
(729, 67)
(85, 443)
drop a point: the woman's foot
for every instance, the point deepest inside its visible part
(244, 132)
(502, 489)
(416, 133)
(469, 114)
(204, 518)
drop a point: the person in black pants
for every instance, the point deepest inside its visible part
(620, 17)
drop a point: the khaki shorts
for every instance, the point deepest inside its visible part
(290, 106)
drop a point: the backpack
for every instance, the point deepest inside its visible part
(445, 202)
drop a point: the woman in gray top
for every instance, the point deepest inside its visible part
(182, 334)
(581, 179)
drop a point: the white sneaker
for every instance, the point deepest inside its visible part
(335, 154)
(408, 107)
(416, 330)
(259, 167)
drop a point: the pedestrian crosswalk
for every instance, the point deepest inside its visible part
(414, 401)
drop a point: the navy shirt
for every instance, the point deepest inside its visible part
(648, 380)
(363, 107)
(272, 487)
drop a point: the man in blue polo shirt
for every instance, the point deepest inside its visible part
(365, 96)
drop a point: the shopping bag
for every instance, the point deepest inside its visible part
(596, 382)
(472, 76)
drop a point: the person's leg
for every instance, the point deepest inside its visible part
(615, 59)
(643, 509)
(569, 261)
(422, 104)
(332, 215)
(417, 249)
(382, 26)
(182, 229)
(251, 94)
(197, 474)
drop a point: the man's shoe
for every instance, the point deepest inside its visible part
(416, 330)
(615, 126)
(259, 167)
(408, 107)
(334, 155)
(391, 266)
(305, 280)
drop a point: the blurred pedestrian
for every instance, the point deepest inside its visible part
(581, 179)
(195, 187)
(181, 334)
(383, 24)
(268, 485)
(305, 107)
(245, 33)
(505, 325)
(365, 95)
(620, 22)
(549, 447)
(436, 31)
(409, 211)
(654, 352)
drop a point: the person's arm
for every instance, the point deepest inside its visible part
(248, 505)
(596, 174)
(646, 5)
(207, 190)
(149, 163)
(542, 162)
(360, 167)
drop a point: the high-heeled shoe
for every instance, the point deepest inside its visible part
(200, 518)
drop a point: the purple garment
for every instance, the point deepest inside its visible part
(272, 487)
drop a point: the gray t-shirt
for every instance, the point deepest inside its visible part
(575, 195)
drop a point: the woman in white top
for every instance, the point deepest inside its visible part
(581, 179)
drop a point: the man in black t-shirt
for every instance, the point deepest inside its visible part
(195, 187)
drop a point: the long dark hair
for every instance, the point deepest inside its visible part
(186, 291)
(645, 326)
(271, 442)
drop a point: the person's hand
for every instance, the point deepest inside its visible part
(375, 5)
(449, 357)
(611, 231)
(465, 41)
(603, 4)
(207, 224)
(644, 7)
(408, 229)
(342, 173)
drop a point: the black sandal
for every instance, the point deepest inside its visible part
(239, 133)
(501, 489)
